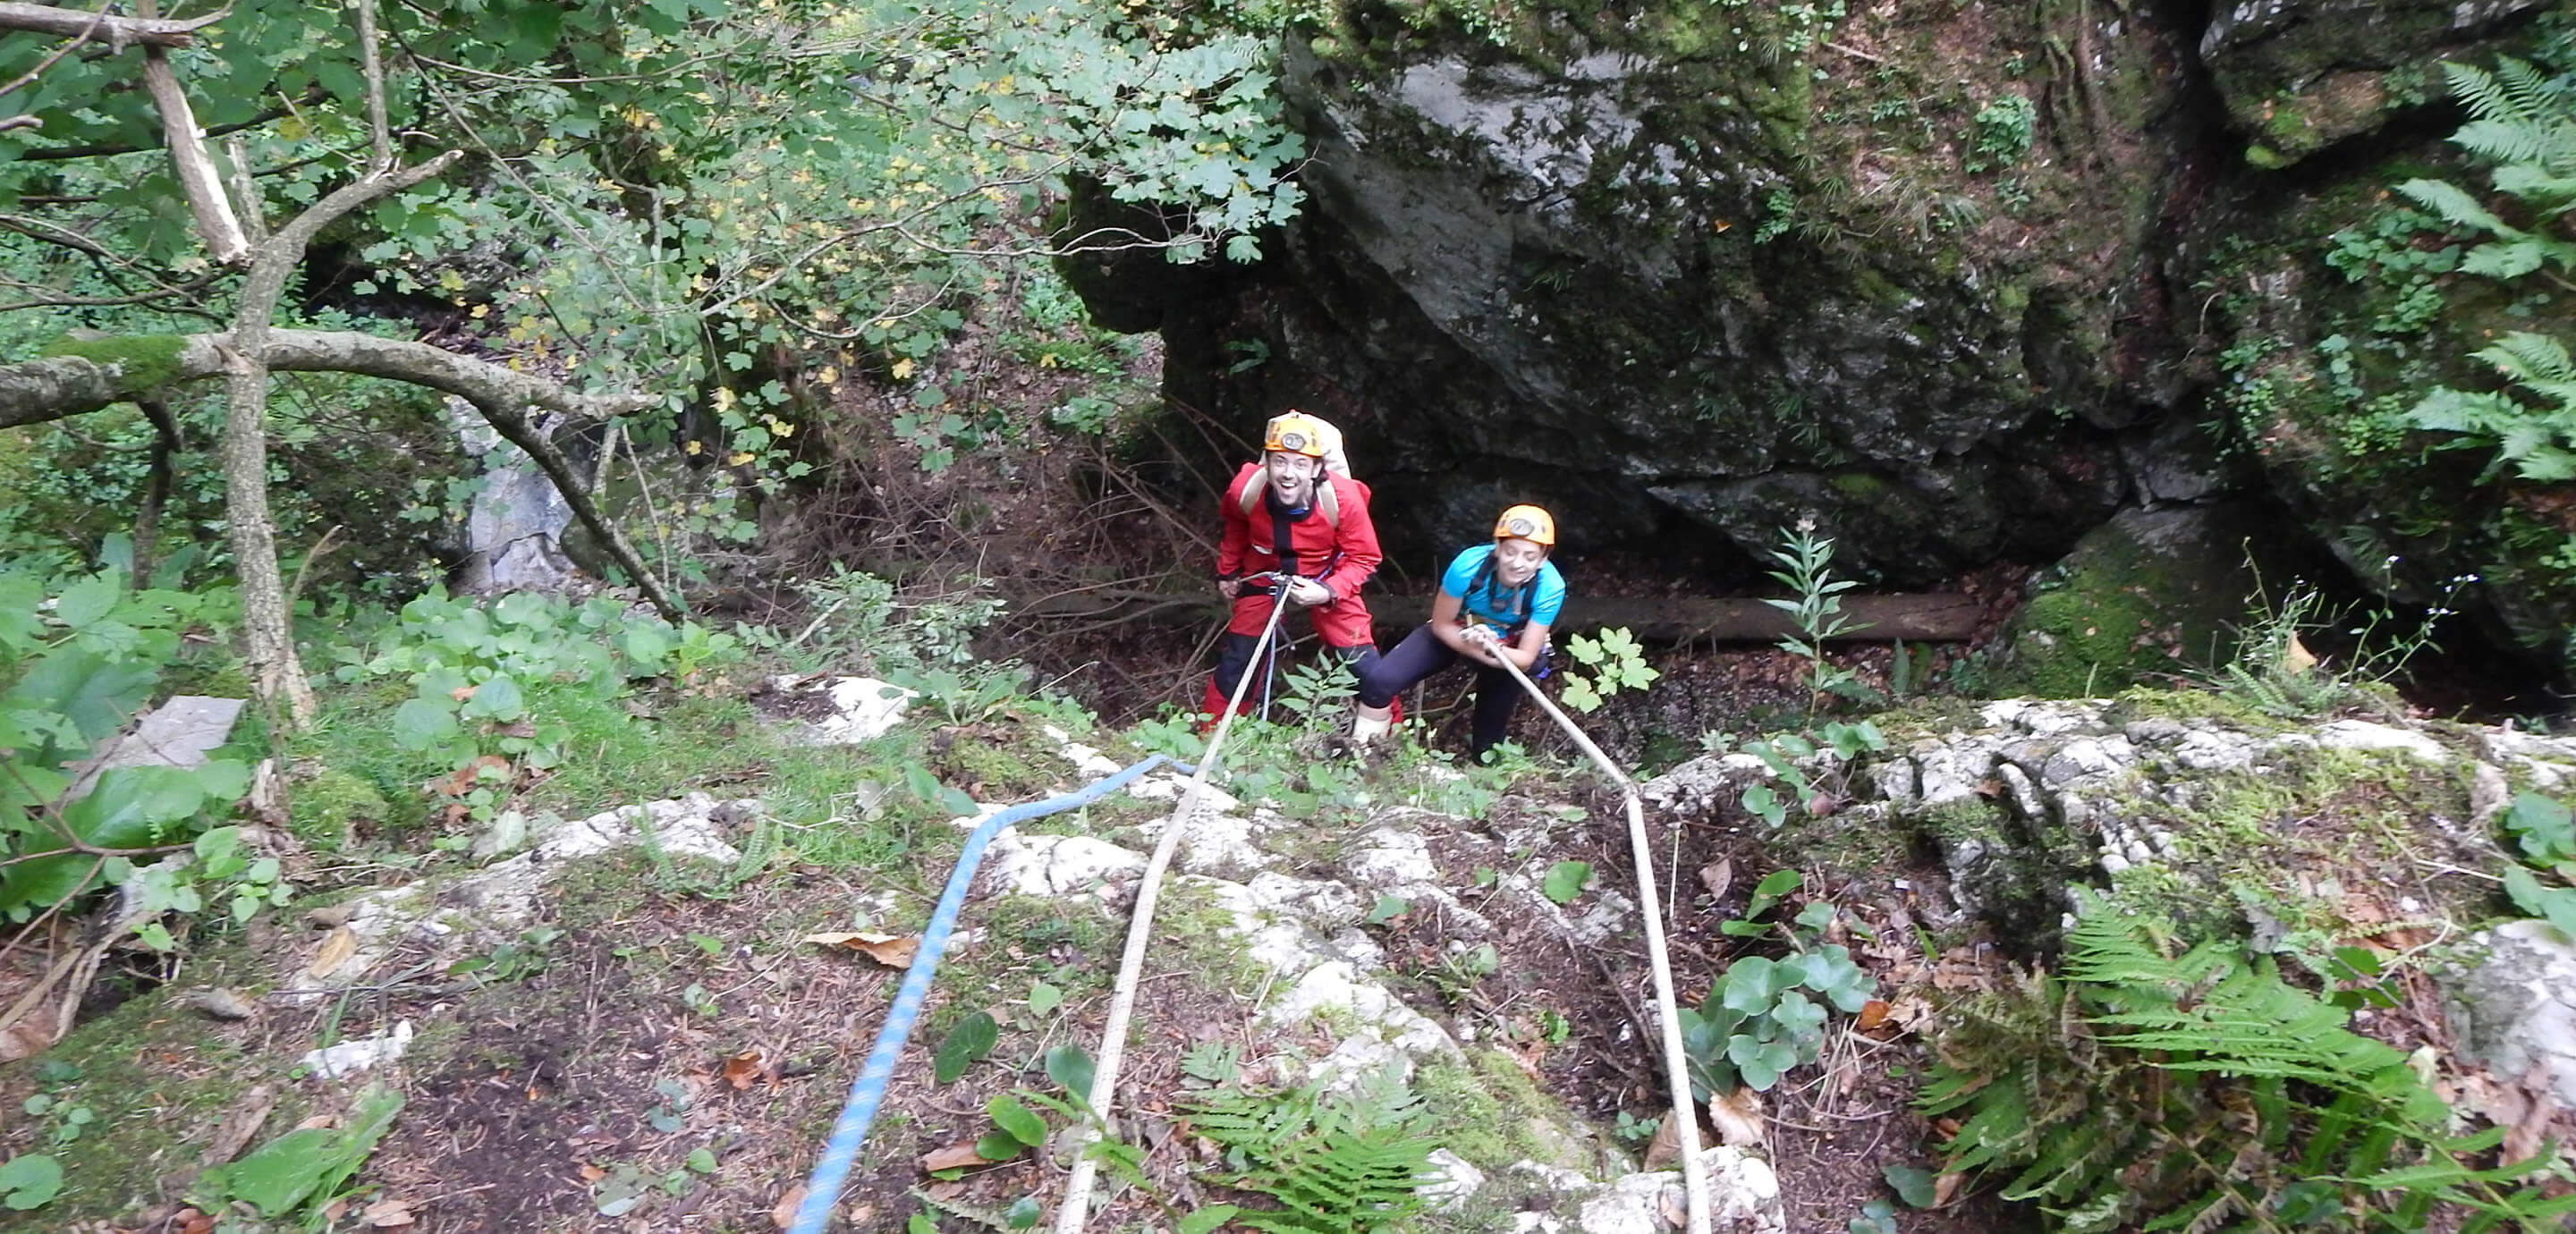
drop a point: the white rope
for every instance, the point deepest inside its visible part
(1076, 1210)
(1685, 1114)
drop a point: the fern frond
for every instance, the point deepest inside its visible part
(2454, 205)
(2535, 360)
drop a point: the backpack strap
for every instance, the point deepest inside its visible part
(1484, 581)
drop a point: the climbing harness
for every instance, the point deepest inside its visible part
(1685, 1114)
(868, 1091)
(1076, 1208)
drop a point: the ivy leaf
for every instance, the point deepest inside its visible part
(31, 1180)
(965, 1045)
(1914, 1185)
(423, 723)
(1022, 1214)
(1579, 694)
(1071, 1066)
(1017, 1120)
(1565, 879)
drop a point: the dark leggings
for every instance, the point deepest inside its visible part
(1420, 655)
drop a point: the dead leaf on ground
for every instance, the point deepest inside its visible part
(1675, 1216)
(891, 950)
(784, 1215)
(1945, 1187)
(591, 1173)
(471, 774)
(336, 948)
(319, 1122)
(386, 1214)
(242, 1125)
(1717, 876)
(958, 1156)
(742, 1069)
(1738, 1116)
(1872, 1014)
(190, 1221)
(1666, 1147)
(2522, 1139)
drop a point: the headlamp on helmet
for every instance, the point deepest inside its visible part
(1526, 523)
(1295, 434)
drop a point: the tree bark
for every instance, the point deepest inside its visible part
(1914, 618)
(166, 445)
(198, 181)
(116, 32)
(35, 391)
(268, 629)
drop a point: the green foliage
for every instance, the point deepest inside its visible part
(2273, 672)
(2001, 132)
(2523, 122)
(1806, 561)
(1565, 880)
(1780, 754)
(1344, 1164)
(2541, 827)
(303, 1170)
(865, 624)
(965, 1045)
(1612, 663)
(29, 1181)
(2531, 425)
(2146, 1090)
(81, 654)
(1762, 1016)
(481, 673)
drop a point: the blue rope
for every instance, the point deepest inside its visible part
(868, 1091)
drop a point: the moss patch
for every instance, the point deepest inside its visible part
(143, 361)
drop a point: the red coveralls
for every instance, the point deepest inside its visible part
(1264, 541)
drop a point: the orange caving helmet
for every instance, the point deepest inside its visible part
(1295, 433)
(1526, 523)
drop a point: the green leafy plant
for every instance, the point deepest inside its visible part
(2541, 827)
(520, 958)
(2145, 1089)
(30, 1181)
(1565, 881)
(1611, 663)
(82, 653)
(1806, 560)
(1780, 753)
(303, 1170)
(1759, 1019)
(2001, 132)
(965, 1045)
(1334, 1164)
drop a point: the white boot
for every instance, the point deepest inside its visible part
(1368, 724)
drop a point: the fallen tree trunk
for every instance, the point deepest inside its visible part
(1936, 618)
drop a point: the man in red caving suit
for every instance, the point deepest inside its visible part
(1296, 526)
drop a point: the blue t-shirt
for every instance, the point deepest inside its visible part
(1495, 604)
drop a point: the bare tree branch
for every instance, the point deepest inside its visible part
(37, 391)
(116, 32)
(198, 182)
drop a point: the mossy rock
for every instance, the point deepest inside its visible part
(321, 811)
(2145, 597)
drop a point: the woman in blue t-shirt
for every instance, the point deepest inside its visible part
(1496, 600)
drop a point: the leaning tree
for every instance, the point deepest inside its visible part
(652, 198)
